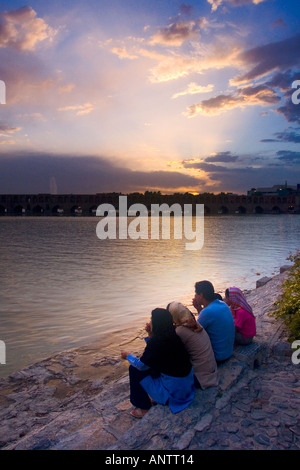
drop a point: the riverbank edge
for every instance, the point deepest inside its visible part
(68, 401)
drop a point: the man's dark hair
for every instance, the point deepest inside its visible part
(206, 288)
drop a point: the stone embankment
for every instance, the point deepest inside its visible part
(69, 402)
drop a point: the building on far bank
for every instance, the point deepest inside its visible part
(275, 190)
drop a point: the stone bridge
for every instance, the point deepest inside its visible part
(86, 204)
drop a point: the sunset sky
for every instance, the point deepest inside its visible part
(135, 95)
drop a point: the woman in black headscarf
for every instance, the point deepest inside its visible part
(163, 372)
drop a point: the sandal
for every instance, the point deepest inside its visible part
(138, 413)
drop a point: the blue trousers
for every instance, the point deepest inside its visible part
(138, 396)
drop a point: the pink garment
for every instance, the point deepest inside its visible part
(245, 322)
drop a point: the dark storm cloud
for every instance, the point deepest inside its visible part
(285, 136)
(283, 80)
(264, 173)
(225, 157)
(288, 156)
(290, 111)
(21, 173)
(280, 55)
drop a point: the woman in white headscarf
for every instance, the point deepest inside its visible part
(197, 344)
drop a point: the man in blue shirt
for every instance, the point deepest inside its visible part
(216, 318)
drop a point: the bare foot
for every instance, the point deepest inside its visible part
(138, 412)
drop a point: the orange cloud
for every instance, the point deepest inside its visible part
(174, 66)
(5, 133)
(249, 96)
(216, 3)
(80, 109)
(122, 53)
(194, 89)
(22, 30)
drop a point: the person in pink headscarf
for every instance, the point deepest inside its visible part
(244, 319)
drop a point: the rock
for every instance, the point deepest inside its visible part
(246, 422)
(253, 354)
(282, 349)
(262, 281)
(204, 423)
(262, 439)
(284, 268)
(185, 440)
(232, 428)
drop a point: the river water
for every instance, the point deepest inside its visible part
(62, 287)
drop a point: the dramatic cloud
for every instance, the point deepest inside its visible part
(174, 66)
(236, 3)
(238, 178)
(122, 53)
(83, 174)
(23, 30)
(288, 156)
(170, 64)
(6, 134)
(194, 89)
(285, 136)
(177, 33)
(207, 167)
(290, 111)
(79, 109)
(77, 98)
(280, 55)
(283, 80)
(249, 96)
(5, 129)
(225, 157)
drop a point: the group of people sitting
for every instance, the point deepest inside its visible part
(182, 353)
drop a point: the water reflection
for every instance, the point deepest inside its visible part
(61, 286)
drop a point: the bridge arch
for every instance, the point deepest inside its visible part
(2, 210)
(92, 210)
(258, 210)
(76, 210)
(207, 210)
(241, 210)
(223, 210)
(19, 209)
(57, 210)
(37, 209)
